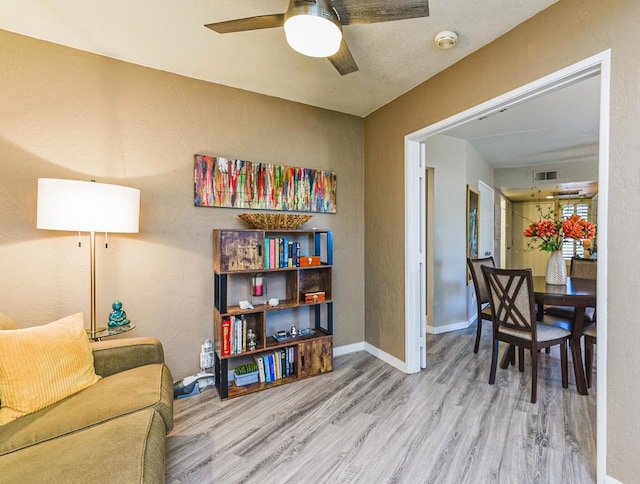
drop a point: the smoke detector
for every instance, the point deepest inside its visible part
(445, 39)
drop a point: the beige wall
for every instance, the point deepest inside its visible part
(66, 113)
(455, 165)
(559, 36)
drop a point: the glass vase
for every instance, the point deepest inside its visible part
(556, 269)
(258, 289)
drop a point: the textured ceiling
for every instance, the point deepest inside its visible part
(169, 35)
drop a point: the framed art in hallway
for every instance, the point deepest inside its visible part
(473, 216)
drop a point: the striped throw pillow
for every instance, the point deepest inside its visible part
(42, 365)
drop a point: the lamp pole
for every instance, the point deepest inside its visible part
(92, 251)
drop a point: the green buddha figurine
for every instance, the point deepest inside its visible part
(117, 317)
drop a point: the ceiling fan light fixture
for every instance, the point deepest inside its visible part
(312, 30)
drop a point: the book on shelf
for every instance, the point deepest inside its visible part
(260, 362)
(272, 253)
(283, 364)
(265, 364)
(273, 358)
(236, 325)
(296, 255)
(226, 337)
(277, 364)
(272, 374)
(292, 360)
(281, 252)
(234, 336)
(291, 355)
(244, 334)
(285, 253)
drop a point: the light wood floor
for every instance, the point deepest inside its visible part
(369, 423)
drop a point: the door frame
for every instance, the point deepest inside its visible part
(414, 216)
(503, 233)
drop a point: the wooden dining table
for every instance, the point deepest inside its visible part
(576, 293)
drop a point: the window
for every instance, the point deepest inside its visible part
(572, 247)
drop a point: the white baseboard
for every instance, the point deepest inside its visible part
(449, 327)
(372, 350)
(386, 357)
(611, 480)
(347, 349)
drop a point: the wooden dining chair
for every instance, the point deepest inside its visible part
(482, 294)
(514, 321)
(581, 269)
(590, 339)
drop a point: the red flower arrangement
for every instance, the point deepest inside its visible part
(549, 233)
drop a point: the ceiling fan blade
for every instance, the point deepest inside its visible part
(343, 60)
(373, 11)
(249, 23)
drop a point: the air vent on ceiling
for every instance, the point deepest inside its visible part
(544, 175)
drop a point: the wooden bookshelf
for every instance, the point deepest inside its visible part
(240, 254)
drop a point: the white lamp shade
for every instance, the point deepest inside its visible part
(312, 35)
(81, 206)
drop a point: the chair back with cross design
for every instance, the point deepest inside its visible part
(514, 321)
(512, 300)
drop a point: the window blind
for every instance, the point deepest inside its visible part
(572, 247)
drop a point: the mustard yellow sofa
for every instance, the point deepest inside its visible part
(111, 432)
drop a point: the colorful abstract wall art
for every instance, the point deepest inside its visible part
(222, 182)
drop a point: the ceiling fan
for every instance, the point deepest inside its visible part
(314, 27)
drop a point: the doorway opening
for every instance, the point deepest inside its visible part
(415, 164)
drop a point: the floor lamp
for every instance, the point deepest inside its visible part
(81, 206)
